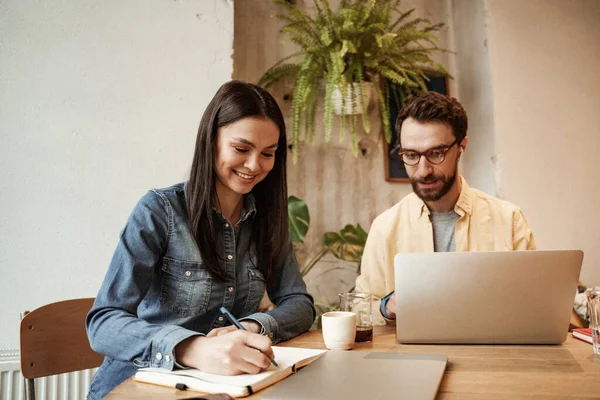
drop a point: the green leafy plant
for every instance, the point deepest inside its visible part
(298, 219)
(362, 40)
(347, 244)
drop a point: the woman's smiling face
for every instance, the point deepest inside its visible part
(245, 153)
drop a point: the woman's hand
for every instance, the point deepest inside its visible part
(250, 326)
(233, 353)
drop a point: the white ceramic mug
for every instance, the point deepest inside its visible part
(339, 329)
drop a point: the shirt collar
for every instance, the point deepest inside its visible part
(465, 200)
(249, 207)
(248, 210)
(464, 204)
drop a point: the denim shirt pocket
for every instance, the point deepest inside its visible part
(185, 287)
(256, 288)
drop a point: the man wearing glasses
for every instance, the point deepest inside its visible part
(443, 213)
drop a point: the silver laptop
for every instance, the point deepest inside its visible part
(520, 297)
(340, 374)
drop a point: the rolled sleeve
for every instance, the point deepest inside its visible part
(269, 326)
(163, 345)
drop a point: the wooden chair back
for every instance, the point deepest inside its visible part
(54, 340)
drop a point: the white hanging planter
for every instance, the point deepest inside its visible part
(336, 98)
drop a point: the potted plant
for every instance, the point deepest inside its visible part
(361, 41)
(346, 245)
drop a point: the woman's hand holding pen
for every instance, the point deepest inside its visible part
(232, 353)
(250, 326)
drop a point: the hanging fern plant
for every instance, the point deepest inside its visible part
(362, 41)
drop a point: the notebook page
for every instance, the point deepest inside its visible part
(285, 357)
(293, 355)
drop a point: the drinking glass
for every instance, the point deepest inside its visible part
(360, 304)
(593, 297)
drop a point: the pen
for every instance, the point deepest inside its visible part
(239, 326)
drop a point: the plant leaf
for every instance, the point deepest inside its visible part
(348, 244)
(357, 39)
(298, 219)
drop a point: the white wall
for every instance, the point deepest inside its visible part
(474, 90)
(544, 60)
(99, 101)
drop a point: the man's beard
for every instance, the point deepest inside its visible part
(433, 194)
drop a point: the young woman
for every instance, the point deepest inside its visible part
(217, 240)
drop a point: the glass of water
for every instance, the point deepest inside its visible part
(360, 304)
(593, 297)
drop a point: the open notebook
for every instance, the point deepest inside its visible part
(290, 359)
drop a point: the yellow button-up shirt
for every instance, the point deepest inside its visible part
(486, 223)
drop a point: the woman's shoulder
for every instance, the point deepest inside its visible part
(173, 190)
(159, 199)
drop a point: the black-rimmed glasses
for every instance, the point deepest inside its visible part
(436, 156)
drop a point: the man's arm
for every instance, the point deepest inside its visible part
(372, 276)
(373, 264)
(522, 236)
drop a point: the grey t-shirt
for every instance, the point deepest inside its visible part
(443, 230)
(443, 239)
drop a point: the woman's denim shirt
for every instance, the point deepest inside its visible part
(157, 292)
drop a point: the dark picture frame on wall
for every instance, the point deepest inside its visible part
(394, 167)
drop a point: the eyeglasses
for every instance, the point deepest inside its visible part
(435, 156)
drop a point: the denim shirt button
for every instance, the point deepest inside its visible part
(230, 257)
(230, 289)
(221, 318)
(158, 356)
(226, 225)
(168, 358)
(188, 273)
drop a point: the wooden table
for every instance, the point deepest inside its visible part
(567, 371)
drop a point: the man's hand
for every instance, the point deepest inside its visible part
(228, 353)
(390, 306)
(250, 326)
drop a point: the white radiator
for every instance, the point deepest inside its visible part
(73, 386)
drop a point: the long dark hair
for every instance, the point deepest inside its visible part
(233, 101)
